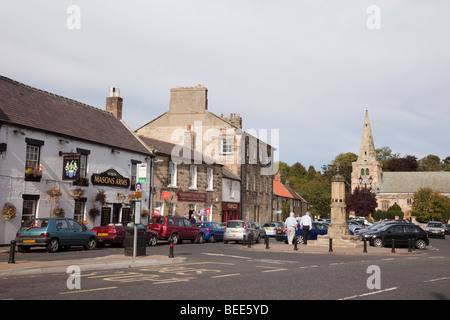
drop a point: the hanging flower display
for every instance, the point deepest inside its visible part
(101, 196)
(77, 193)
(8, 211)
(54, 193)
(58, 211)
(94, 212)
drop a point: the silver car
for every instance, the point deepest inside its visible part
(435, 228)
(236, 229)
(272, 228)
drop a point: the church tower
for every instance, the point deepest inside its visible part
(366, 171)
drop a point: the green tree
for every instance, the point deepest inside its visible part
(430, 163)
(344, 161)
(429, 205)
(384, 154)
(446, 164)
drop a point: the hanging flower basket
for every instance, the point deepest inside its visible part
(77, 193)
(94, 212)
(144, 213)
(58, 211)
(101, 196)
(8, 211)
(54, 193)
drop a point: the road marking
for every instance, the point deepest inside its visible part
(225, 255)
(368, 293)
(273, 269)
(438, 279)
(88, 290)
(226, 275)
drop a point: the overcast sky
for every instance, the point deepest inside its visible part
(306, 68)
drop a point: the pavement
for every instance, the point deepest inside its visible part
(30, 267)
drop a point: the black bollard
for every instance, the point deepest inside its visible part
(330, 245)
(170, 248)
(250, 240)
(410, 241)
(266, 239)
(393, 246)
(244, 240)
(295, 244)
(12, 252)
(365, 246)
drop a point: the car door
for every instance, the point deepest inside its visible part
(395, 232)
(218, 230)
(78, 236)
(182, 232)
(63, 232)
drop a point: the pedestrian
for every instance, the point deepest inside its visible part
(306, 225)
(291, 226)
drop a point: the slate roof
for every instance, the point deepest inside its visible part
(29, 107)
(411, 182)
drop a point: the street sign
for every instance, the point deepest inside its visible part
(141, 170)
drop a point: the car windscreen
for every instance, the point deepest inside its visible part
(434, 225)
(270, 225)
(159, 220)
(36, 223)
(235, 224)
(201, 225)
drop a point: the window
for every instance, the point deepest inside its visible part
(254, 182)
(362, 172)
(209, 179)
(79, 210)
(32, 156)
(29, 210)
(230, 189)
(246, 182)
(226, 146)
(193, 177)
(172, 174)
(76, 226)
(171, 211)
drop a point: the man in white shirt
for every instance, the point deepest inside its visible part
(290, 225)
(306, 225)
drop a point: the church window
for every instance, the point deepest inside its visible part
(367, 171)
(362, 171)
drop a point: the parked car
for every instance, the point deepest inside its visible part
(261, 230)
(54, 233)
(272, 228)
(435, 228)
(372, 227)
(213, 231)
(354, 226)
(176, 229)
(318, 228)
(400, 233)
(447, 228)
(237, 229)
(115, 234)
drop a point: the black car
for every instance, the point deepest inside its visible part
(400, 233)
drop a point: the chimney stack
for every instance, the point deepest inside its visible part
(114, 102)
(189, 99)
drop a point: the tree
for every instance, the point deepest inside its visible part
(429, 205)
(384, 154)
(363, 202)
(446, 164)
(430, 163)
(344, 160)
(407, 163)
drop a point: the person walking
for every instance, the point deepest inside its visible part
(291, 226)
(306, 225)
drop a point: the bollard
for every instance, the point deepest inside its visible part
(12, 252)
(365, 246)
(409, 245)
(250, 240)
(295, 244)
(393, 246)
(330, 245)
(266, 239)
(244, 240)
(170, 248)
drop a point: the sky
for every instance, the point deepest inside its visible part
(306, 70)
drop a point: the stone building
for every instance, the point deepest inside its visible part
(391, 187)
(189, 122)
(284, 192)
(48, 141)
(183, 188)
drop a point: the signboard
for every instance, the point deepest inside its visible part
(166, 195)
(141, 171)
(191, 196)
(71, 167)
(110, 178)
(138, 192)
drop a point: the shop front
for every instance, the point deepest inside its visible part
(230, 211)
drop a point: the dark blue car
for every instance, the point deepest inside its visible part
(213, 231)
(319, 228)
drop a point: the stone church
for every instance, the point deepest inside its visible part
(391, 187)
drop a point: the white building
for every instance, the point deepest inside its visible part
(42, 135)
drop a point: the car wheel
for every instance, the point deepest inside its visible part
(200, 238)
(420, 244)
(23, 249)
(153, 241)
(174, 238)
(298, 239)
(378, 242)
(225, 241)
(211, 238)
(53, 245)
(91, 245)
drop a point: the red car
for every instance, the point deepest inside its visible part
(176, 229)
(115, 235)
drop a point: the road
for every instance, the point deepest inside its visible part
(219, 272)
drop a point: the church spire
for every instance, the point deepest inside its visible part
(367, 148)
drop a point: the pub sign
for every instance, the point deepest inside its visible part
(71, 167)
